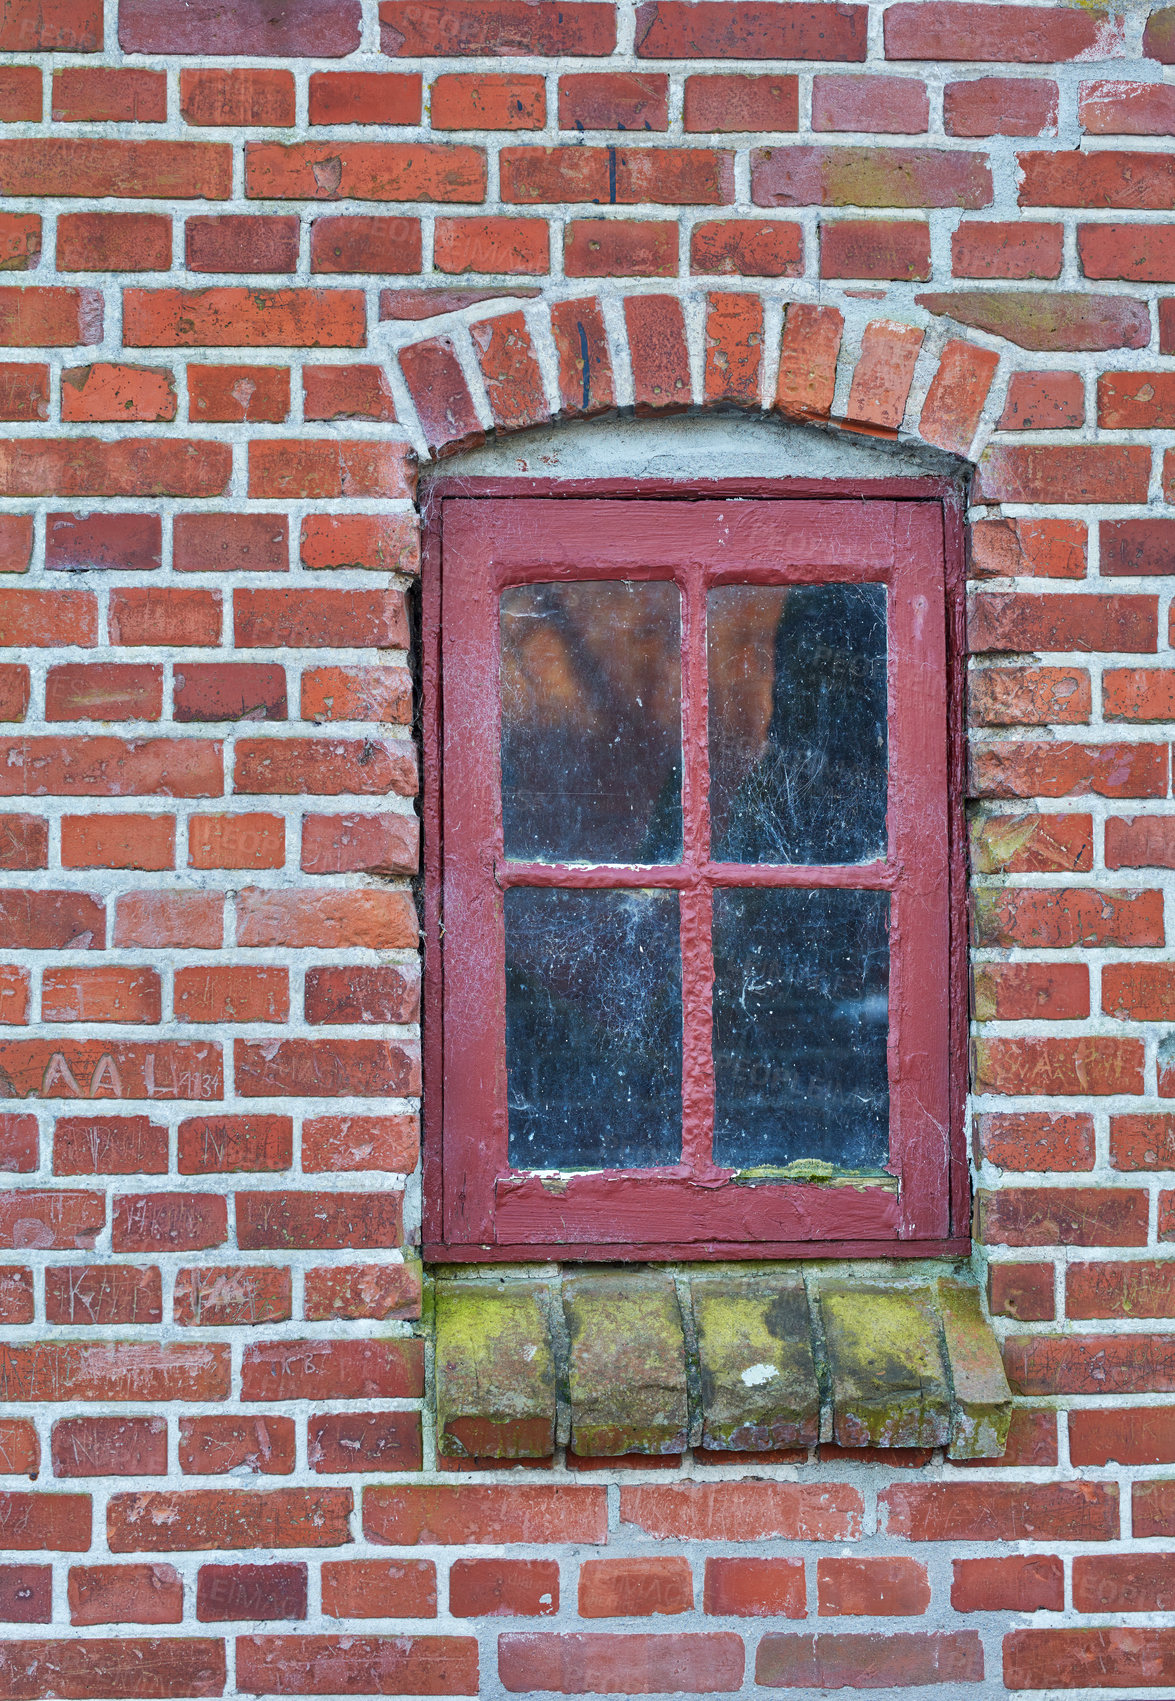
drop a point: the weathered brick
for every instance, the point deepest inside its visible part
(326, 29)
(832, 176)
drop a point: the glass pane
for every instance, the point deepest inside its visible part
(797, 723)
(801, 983)
(591, 722)
(593, 1029)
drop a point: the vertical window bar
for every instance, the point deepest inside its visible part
(697, 954)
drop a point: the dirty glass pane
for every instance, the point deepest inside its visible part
(593, 1028)
(591, 722)
(800, 1017)
(797, 723)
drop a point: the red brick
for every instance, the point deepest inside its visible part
(1000, 1512)
(191, 1520)
(387, 1665)
(1141, 1582)
(440, 394)
(48, 618)
(879, 105)
(303, 619)
(362, 994)
(875, 248)
(807, 360)
(1058, 1066)
(102, 1294)
(833, 176)
(24, 842)
(214, 1446)
(828, 1661)
(14, 995)
(45, 1521)
(1090, 1364)
(379, 1291)
(1029, 1583)
(1036, 1140)
(346, 392)
(319, 767)
(1028, 696)
(510, 371)
(110, 1447)
(487, 100)
(1032, 1442)
(108, 1666)
(1063, 1216)
(1139, 254)
(950, 29)
(1021, 251)
(732, 102)
(230, 691)
(318, 28)
(378, 920)
(333, 1370)
(243, 318)
(385, 543)
(18, 1143)
(251, 96)
(733, 349)
(94, 168)
(365, 97)
(231, 993)
(108, 1145)
(117, 393)
(320, 1222)
(129, 466)
(657, 347)
(356, 694)
(634, 1588)
(168, 1222)
(884, 373)
(1043, 401)
(364, 1441)
(506, 1588)
(751, 248)
(502, 29)
(334, 1068)
(717, 29)
(1035, 768)
(364, 171)
(1153, 1506)
(1049, 320)
(1139, 1435)
(236, 841)
(475, 1512)
(24, 392)
(1142, 1142)
(1141, 992)
(131, 542)
(634, 1664)
(1106, 178)
(26, 1591)
(955, 400)
(181, 920)
(327, 469)
(257, 543)
(872, 1587)
(616, 100)
(51, 921)
(20, 94)
(700, 177)
(230, 1296)
(1134, 1289)
(754, 1588)
(585, 365)
(1013, 992)
(232, 1593)
(332, 1143)
(383, 1588)
(508, 245)
(118, 841)
(1023, 1291)
(1080, 1658)
(1000, 106)
(90, 94)
(744, 1511)
(1129, 401)
(1158, 37)
(1127, 109)
(128, 1069)
(125, 1594)
(49, 317)
(233, 394)
(14, 691)
(221, 1144)
(365, 243)
(242, 242)
(18, 1440)
(635, 248)
(113, 242)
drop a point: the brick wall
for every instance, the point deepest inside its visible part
(264, 253)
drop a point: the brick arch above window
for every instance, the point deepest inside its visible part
(656, 353)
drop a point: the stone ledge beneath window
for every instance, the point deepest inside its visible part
(726, 1360)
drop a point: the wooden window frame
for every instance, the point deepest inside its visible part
(473, 1211)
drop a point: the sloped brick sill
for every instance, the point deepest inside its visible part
(725, 1359)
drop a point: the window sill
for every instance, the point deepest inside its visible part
(722, 1359)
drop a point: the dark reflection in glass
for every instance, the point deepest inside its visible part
(591, 722)
(800, 1019)
(593, 1028)
(797, 723)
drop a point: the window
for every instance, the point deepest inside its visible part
(691, 941)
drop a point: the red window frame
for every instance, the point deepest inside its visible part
(482, 535)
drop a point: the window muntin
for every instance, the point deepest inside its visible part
(815, 930)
